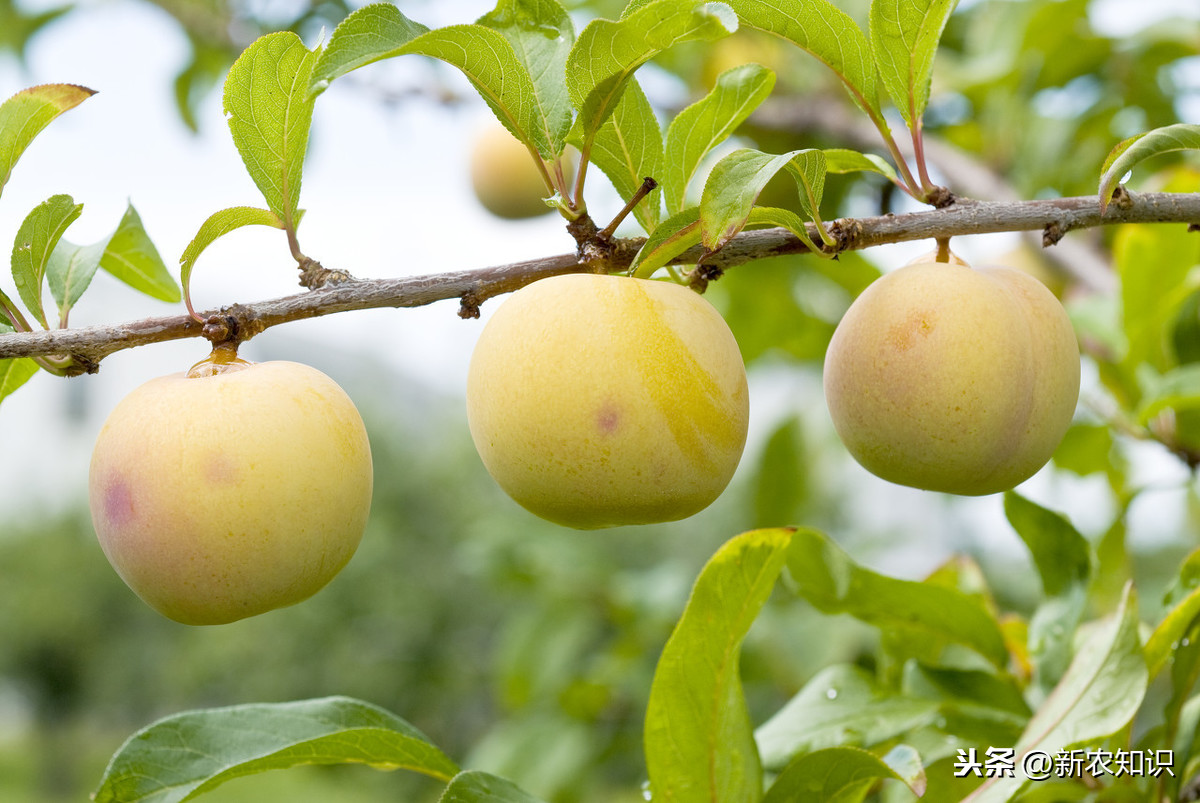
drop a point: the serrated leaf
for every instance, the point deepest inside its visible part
(1099, 694)
(629, 149)
(182, 756)
(707, 123)
(840, 705)
(269, 107)
(217, 225)
(736, 181)
(25, 114)
(35, 241)
(1166, 636)
(843, 160)
(837, 773)
(130, 256)
(833, 583)
(825, 31)
(904, 39)
(541, 35)
(1178, 137)
(669, 239)
(14, 373)
(481, 787)
(607, 53)
(70, 271)
(698, 738)
(371, 33)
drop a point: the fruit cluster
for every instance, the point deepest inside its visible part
(594, 401)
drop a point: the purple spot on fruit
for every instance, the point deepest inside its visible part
(220, 470)
(118, 503)
(608, 419)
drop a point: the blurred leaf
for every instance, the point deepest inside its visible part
(708, 122)
(1177, 389)
(736, 181)
(1168, 634)
(831, 581)
(18, 25)
(25, 114)
(1126, 155)
(840, 706)
(826, 32)
(269, 107)
(843, 774)
(541, 34)
(781, 484)
(607, 53)
(39, 234)
(480, 787)
(182, 756)
(904, 40)
(70, 272)
(629, 148)
(371, 33)
(14, 373)
(1150, 299)
(130, 256)
(1098, 695)
(1085, 449)
(217, 225)
(698, 739)
(1185, 333)
(193, 83)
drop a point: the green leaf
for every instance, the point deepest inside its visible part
(371, 33)
(480, 787)
(707, 123)
(669, 239)
(836, 773)
(833, 583)
(698, 738)
(736, 181)
(607, 53)
(14, 373)
(842, 160)
(904, 39)
(629, 148)
(532, 111)
(825, 31)
(25, 114)
(1167, 635)
(1150, 299)
(1099, 694)
(269, 106)
(182, 756)
(1063, 559)
(70, 272)
(35, 241)
(1177, 389)
(782, 485)
(841, 705)
(541, 35)
(130, 256)
(1178, 137)
(218, 225)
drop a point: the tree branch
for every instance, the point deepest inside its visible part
(88, 346)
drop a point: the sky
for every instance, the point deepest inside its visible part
(386, 193)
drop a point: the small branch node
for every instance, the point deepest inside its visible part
(468, 305)
(232, 326)
(1052, 234)
(700, 276)
(1193, 227)
(846, 232)
(941, 197)
(1121, 198)
(313, 275)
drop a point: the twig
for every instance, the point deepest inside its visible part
(90, 345)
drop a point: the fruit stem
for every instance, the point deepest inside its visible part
(223, 360)
(943, 250)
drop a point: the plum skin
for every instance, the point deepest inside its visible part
(225, 496)
(598, 401)
(953, 379)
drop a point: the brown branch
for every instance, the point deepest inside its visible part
(90, 345)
